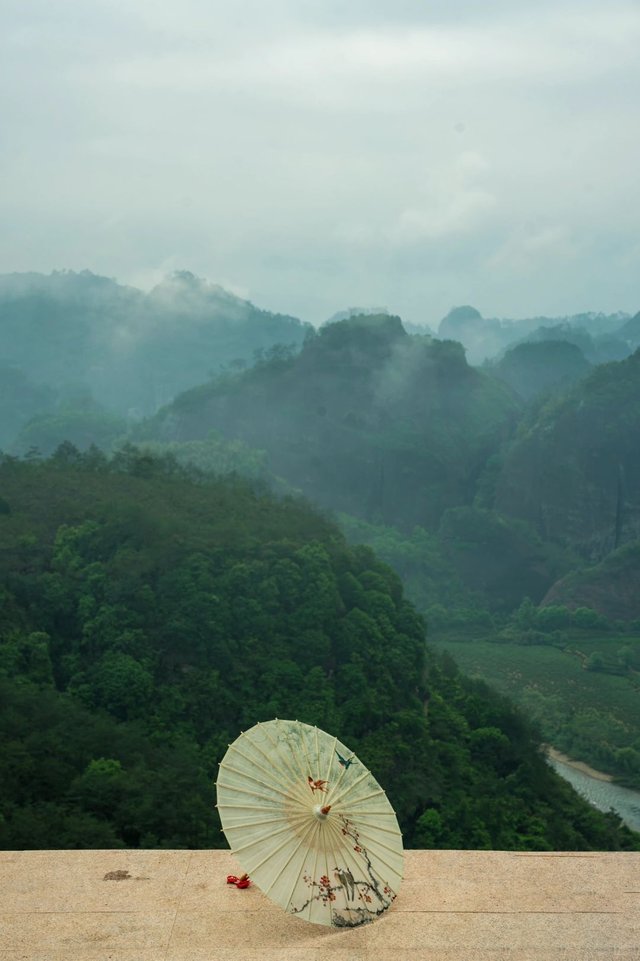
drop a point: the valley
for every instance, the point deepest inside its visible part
(151, 550)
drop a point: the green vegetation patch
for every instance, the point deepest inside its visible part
(591, 714)
(150, 612)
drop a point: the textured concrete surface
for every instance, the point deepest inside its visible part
(453, 906)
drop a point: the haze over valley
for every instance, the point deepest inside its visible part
(319, 398)
(502, 494)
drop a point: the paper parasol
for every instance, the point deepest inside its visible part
(310, 824)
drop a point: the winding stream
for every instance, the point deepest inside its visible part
(602, 794)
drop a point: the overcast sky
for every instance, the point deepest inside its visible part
(313, 154)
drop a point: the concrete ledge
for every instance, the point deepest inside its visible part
(453, 906)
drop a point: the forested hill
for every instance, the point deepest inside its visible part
(536, 368)
(132, 350)
(366, 418)
(573, 471)
(147, 616)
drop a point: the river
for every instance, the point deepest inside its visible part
(601, 792)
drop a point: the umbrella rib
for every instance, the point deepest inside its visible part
(251, 760)
(341, 773)
(236, 787)
(351, 786)
(372, 856)
(300, 796)
(380, 845)
(284, 867)
(395, 832)
(303, 741)
(251, 777)
(363, 830)
(340, 851)
(331, 756)
(313, 876)
(317, 754)
(365, 873)
(271, 854)
(280, 754)
(327, 775)
(295, 759)
(296, 823)
(242, 807)
(294, 763)
(255, 822)
(326, 861)
(260, 840)
(381, 860)
(371, 813)
(340, 854)
(376, 793)
(309, 761)
(367, 797)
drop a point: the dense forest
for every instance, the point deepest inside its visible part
(150, 611)
(166, 582)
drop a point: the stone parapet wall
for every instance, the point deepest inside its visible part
(453, 906)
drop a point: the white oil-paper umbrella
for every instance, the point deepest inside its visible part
(310, 824)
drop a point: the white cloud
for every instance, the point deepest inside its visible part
(454, 203)
(320, 154)
(458, 214)
(556, 46)
(530, 248)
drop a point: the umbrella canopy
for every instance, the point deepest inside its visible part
(310, 824)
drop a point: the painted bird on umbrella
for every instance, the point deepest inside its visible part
(347, 880)
(317, 785)
(344, 761)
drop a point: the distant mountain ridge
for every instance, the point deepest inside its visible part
(391, 427)
(365, 419)
(537, 367)
(486, 338)
(133, 350)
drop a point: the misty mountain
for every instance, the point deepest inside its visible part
(597, 348)
(573, 470)
(630, 331)
(133, 350)
(75, 418)
(388, 427)
(20, 400)
(355, 312)
(481, 499)
(365, 419)
(534, 368)
(598, 335)
(481, 338)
